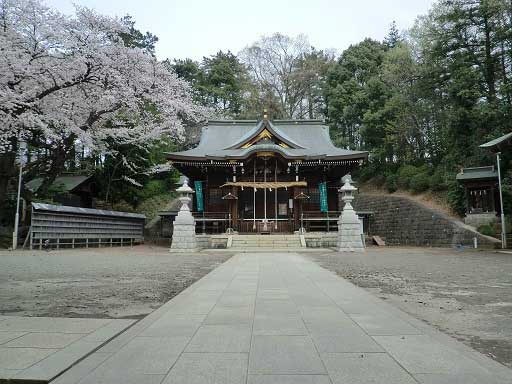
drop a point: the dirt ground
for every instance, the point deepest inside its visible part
(467, 294)
(101, 283)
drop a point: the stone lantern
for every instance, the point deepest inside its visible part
(349, 228)
(184, 229)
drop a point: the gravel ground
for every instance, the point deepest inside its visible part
(100, 283)
(467, 294)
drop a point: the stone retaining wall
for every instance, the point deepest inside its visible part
(321, 239)
(403, 221)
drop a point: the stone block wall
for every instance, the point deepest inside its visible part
(321, 239)
(202, 241)
(478, 219)
(403, 221)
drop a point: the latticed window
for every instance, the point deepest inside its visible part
(313, 203)
(216, 196)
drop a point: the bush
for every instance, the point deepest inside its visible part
(392, 183)
(379, 180)
(487, 230)
(153, 188)
(508, 224)
(457, 197)
(405, 174)
(420, 182)
(438, 181)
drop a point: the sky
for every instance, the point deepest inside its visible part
(197, 28)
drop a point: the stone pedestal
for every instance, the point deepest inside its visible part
(349, 232)
(349, 226)
(184, 231)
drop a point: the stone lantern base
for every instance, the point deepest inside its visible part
(349, 232)
(184, 227)
(184, 233)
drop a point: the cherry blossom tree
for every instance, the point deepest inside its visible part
(66, 79)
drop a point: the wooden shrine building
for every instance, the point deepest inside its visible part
(482, 195)
(263, 176)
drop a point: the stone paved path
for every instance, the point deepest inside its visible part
(279, 318)
(40, 348)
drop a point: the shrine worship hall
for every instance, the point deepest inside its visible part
(266, 176)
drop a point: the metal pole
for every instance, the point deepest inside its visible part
(17, 217)
(275, 195)
(503, 229)
(254, 198)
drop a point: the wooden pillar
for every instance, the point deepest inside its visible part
(467, 199)
(254, 199)
(492, 201)
(294, 192)
(234, 208)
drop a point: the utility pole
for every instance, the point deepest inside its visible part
(22, 146)
(503, 229)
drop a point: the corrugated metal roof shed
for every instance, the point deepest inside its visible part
(86, 211)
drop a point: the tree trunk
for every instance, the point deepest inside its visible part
(490, 75)
(58, 164)
(7, 171)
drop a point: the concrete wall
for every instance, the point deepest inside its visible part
(403, 221)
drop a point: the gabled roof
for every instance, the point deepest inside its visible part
(261, 127)
(68, 183)
(496, 143)
(304, 139)
(477, 173)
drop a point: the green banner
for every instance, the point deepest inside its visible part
(323, 197)
(199, 195)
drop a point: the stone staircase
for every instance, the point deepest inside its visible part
(266, 242)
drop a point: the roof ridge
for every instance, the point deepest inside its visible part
(275, 122)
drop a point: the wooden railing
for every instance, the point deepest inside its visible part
(211, 222)
(315, 221)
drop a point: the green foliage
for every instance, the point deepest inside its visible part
(153, 188)
(220, 82)
(456, 197)
(392, 183)
(438, 180)
(487, 230)
(508, 224)
(393, 38)
(7, 212)
(379, 180)
(405, 175)
(420, 182)
(135, 38)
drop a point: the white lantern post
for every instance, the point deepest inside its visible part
(349, 227)
(184, 228)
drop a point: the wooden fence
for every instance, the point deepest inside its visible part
(57, 227)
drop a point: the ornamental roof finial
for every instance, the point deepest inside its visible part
(265, 115)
